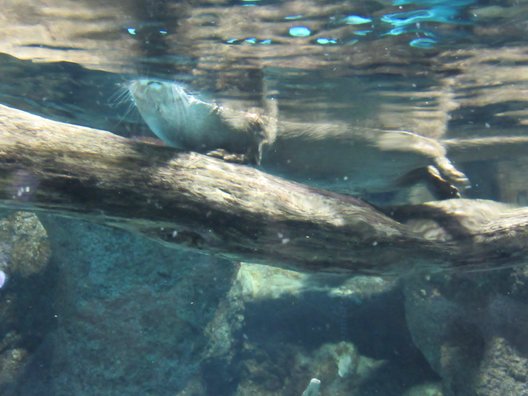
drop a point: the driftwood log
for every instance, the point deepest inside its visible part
(238, 212)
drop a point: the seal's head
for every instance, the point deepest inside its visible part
(176, 117)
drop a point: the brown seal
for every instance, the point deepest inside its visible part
(329, 155)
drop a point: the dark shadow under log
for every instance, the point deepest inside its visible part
(234, 211)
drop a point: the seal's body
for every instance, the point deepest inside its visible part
(326, 155)
(355, 160)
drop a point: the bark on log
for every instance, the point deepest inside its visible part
(234, 211)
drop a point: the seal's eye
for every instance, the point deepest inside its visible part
(154, 84)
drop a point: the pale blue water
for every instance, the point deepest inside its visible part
(112, 313)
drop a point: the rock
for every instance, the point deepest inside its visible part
(471, 329)
(24, 247)
(26, 296)
(504, 368)
(429, 389)
(130, 314)
(313, 388)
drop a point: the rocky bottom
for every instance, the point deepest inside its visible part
(91, 310)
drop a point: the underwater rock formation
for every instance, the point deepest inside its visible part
(26, 296)
(280, 328)
(130, 315)
(115, 311)
(472, 329)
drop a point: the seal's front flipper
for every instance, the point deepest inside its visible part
(229, 157)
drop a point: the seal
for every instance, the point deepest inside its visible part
(332, 155)
(183, 121)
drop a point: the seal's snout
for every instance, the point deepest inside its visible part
(147, 92)
(140, 88)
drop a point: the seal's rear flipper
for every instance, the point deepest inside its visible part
(439, 186)
(452, 175)
(436, 184)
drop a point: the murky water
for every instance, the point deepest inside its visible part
(104, 311)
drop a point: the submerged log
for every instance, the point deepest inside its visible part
(235, 211)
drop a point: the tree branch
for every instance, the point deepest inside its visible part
(182, 198)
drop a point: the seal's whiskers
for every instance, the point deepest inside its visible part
(121, 95)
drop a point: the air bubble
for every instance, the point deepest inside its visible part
(423, 43)
(300, 31)
(356, 20)
(326, 41)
